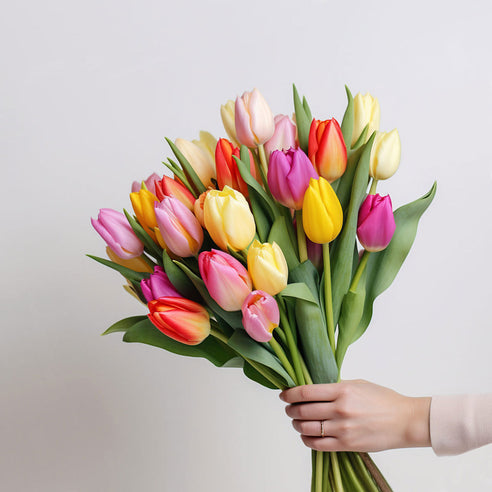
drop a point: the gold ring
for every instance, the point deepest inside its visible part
(322, 428)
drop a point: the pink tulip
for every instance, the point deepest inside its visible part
(253, 119)
(376, 223)
(288, 176)
(179, 228)
(114, 228)
(260, 315)
(149, 183)
(284, 136)
(226, 279)
(158, 285)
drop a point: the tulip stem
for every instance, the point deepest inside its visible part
(294, 352)
(360, 270)
(319, 471)
(263, 159)
(328, 296)
(305, 371)
(335, 467)
(301, 237)
(374, 184)
(263, 371)
(148, 260)
(279, 351)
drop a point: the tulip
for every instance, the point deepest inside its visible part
(327, 149)
(137, 264)
(143, 206)
(267, 267)
(158, 285)
(200, 160)
(260, 315)
(385, 155)
(228, 219)
(288, 176)
(315, 254)
(226, 279)
(366, 112)
(322, 215)
(180, 229)
(198, 208)
(170, 187)
(227, 170)
(114, 228)
(376, 223)
(207, 142)
(284, 136)
(149, 183)
(180, 319)
(227, 113)
(253, 119)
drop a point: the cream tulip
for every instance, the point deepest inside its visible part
(385, 155)
(366, 112)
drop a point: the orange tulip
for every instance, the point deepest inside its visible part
(170, 187)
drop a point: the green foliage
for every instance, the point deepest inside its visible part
(303, 119)
(124, 324)
(128, 273)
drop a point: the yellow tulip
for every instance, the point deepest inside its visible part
(267, 267)
(143, 206)
(228, 219)
(322, 214)
(227, 113)
(366, 111)
(201, 161)
(207, 143)
(385, 155)
(136, 264)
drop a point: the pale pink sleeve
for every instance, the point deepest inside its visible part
(460, 423)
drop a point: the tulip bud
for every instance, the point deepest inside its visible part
(170, 187)
(260, 315)
(253, 119)
(227, 113)
(228, 219)
(227, 170)
(158, 285)
(207, 142)
(327, 149)
(149, 183)
(366, 112)
(284, 137)
(288, 176)
(267, 267)
(180, 319)
(226, 279)
(198, 208)
(114, 228)
(180, 229)
(322, 214)
(137, 264)
(376, 223)
(385, 155)
(200, 160)
(143, 206)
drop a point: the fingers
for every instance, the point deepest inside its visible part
(312, 428)
(322, 443)
(311, 392)
(310, 411)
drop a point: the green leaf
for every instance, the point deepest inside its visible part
(348, 119)
(299, 290)
(251, 373)
(362, 138)
(307, 109)
(344, 187)
(280, 234)
(179, 279)
(306, 272)
(126, 272)
(150, 246)
(233, 318)
(262, 220)
(212, 349)
(124, 324)
(248, 348)
(188, 168)
(343, 254)
(303, 120)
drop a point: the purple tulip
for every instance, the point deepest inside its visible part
(260, 315)
(158, 285)
(114, 228)
(179, 227)
(289, 172)
(315, 254)
(149, 183)
(284, 136)
(376, 223)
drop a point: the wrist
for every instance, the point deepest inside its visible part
(417, 432)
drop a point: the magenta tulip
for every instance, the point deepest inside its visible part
(114, 228)
(260, 315)
(158, 285)
(149, 183)
(284, 136)
(288, 176)
(226, 279)
(376, 223)
(179, 227)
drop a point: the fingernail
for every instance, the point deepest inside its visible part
(281, 396)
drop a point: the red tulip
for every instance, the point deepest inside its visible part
(180, 319)
(170, 187)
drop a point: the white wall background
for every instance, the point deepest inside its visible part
(88, 92)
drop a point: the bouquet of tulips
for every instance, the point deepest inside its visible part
(266, 250)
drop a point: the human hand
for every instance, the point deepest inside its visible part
(357, 416)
